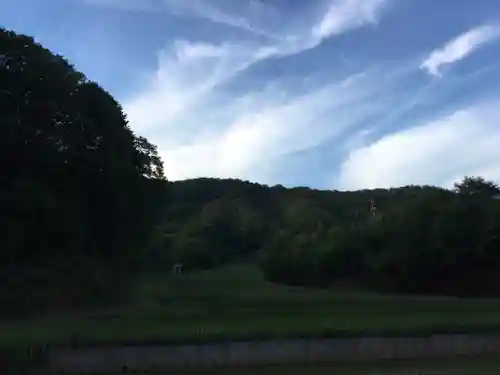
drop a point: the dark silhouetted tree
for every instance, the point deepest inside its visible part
(72, 186)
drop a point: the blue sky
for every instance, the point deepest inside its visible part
(342, 94)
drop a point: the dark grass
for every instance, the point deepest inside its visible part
(235, 303)
(454, 366)
(445, 366)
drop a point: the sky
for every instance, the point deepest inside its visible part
(330, 94)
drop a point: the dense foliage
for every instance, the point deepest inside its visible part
(412, 239)
(441, 243)
(75, 184)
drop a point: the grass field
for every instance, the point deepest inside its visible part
(462, 366)
(235, 302)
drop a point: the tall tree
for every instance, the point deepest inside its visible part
(72, 190)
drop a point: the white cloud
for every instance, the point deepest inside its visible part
(343, 15)
(459, 48)
(438, 152)
(259, 127)
(185, 75)
(202, 130)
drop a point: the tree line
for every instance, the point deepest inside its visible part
(420, 239)
(441, 242)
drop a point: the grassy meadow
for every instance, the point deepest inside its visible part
(453, 366)
(235, 302)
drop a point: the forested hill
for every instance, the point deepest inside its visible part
(224, 219)
(413, 239)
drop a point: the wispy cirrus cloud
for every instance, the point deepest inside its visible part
(253, 16)
(209, 119)
(260, 17)
(254, 129)
(203, 129)
(460, 47)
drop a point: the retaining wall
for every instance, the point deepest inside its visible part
(111, 359)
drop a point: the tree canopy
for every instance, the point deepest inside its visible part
(421, 239)
(73, 190)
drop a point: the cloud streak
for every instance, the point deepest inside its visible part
(348, 14)
(260, 18)
(459, 48)
(249, 16)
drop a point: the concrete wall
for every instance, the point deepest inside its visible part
(111, 359)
